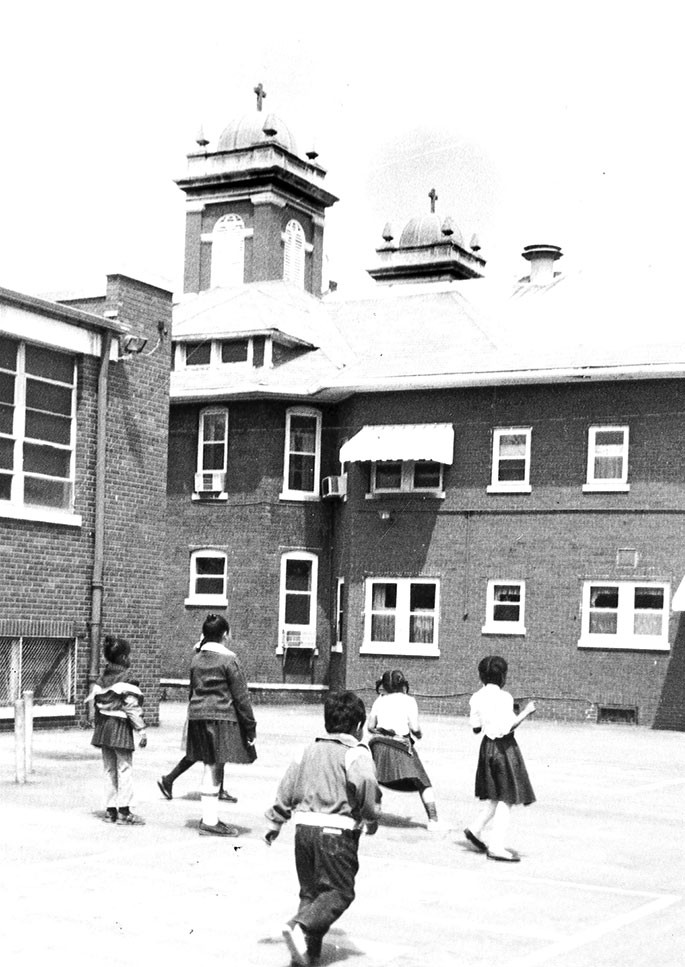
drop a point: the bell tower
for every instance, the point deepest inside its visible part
(255, 208)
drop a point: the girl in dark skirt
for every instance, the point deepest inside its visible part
(117, 702)
(393, 724)
(221, 724)
(501, 776)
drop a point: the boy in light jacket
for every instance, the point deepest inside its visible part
(333, 793)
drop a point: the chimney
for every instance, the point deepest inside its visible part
(542, 259)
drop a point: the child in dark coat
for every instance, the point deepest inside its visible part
(333, 793)
(118, 704)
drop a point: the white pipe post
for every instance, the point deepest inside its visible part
(20, 739)
(28, 718)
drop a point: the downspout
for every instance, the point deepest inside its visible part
(99, 541)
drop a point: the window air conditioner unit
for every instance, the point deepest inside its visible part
(334, 486)
(298, 639)
(210, 481)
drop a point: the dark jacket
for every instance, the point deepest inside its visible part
(218, 689)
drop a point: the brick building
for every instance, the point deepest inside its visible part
(84, 411)
(434, 472)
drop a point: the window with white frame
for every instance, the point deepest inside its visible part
(423, 476)
(212, 450)
(293, 253)
(242, 352)
(298, 597)
(228, 251)
(625, 614)
(208, 578)
(505, 608)
(339, 615)
(302, 454)
(37, 427)
(510, 460)
(607, 458)
(401, 616)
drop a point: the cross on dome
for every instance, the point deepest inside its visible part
(433, 195)
(261, 94)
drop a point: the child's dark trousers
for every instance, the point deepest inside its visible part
(327, 863)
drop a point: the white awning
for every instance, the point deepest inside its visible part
(678, 602)
(403, 441)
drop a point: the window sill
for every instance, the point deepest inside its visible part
(42, 711)
(384, 494)
(299, 495)
(618, 643)
(337, 649)
(393, 648)
(208, 497)
(509, 489)
(207, 601)
(46, 515)
(604, 488)
(503, 628)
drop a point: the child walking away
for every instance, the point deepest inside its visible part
(394, 725)
(118, 713)
(501, 777)
(221, 725)
(166, 782)
(333, 793)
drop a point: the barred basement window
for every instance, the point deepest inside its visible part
(44, 666)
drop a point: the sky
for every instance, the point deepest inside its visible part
(535, 122)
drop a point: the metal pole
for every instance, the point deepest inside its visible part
(20, 739)
(28, 718)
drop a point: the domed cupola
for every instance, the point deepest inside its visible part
(255, 208)
(431, 248)
(256, 128)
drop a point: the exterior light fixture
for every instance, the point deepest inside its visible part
(132, 345)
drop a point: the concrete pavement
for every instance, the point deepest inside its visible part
(601, 881)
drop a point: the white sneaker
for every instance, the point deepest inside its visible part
(437, 826)
(297, 943)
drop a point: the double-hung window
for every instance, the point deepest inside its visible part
(298, 599)
(505, 608)
(607, 458)
(302, 459)
(625, 614)
(510, 460)
(208, 578)
(37, 430)
(401, 617)
(212, 451)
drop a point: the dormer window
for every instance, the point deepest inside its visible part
(252, 351)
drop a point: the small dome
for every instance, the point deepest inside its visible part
(248, 131)
(428, 230)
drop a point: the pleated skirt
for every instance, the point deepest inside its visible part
(112, 731)
(501, 774)
(398, 765)
(215, 742)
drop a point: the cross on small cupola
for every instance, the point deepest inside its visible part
(433, 195)
(261, 94)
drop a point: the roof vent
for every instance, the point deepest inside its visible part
(542, 259)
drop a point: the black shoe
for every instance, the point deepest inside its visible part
(221, 829)
(165, 787)
(226, 796)
(474, 841)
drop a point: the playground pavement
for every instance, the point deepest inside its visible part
(601, 882)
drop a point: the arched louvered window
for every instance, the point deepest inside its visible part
(293, 256)
(228, 251)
